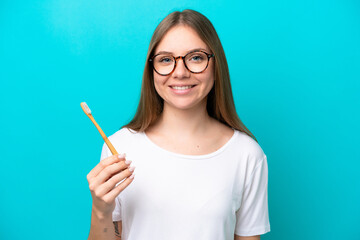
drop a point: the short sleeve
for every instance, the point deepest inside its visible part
(252, 218)
(116, 214)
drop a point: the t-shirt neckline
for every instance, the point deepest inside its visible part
(204, 156)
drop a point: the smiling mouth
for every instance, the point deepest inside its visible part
(182, 87)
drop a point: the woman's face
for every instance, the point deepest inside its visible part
(179, 41)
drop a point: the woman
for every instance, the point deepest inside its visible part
(200, 173)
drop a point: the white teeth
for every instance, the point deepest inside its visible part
(181, 88)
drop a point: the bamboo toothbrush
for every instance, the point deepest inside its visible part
(87, 111)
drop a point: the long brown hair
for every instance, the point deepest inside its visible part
(220, 102)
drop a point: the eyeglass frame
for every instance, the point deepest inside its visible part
(209, 55)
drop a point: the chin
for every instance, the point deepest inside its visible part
(186, 105)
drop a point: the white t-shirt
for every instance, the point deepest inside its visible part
(193, 197)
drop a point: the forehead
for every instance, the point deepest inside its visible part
(179, 40)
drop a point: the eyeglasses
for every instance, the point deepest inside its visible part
(195, 62)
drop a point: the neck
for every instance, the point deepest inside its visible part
(184, 122)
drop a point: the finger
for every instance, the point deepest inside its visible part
(111, 183)
(108, 172)
(117, 190)
(104, 163)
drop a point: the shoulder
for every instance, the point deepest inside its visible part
(248, 144)
(248, 148)
(123, 134)
(123, 139)
(242, 144)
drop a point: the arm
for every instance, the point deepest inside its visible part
(236, 237)
(102, 228)
(102, 184)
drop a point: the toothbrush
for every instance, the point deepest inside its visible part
(87, 111)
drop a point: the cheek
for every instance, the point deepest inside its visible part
(159, 84)
(210, 71)
(210, 85)
(210, 78)
(210, 82)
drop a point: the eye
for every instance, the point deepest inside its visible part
(165, 59)
(196, 58)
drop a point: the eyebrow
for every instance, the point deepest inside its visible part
(193, 50)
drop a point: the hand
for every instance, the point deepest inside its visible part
(103, 179)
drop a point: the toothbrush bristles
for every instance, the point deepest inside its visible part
(86, 108)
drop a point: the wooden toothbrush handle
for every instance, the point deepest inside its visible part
(108, 143)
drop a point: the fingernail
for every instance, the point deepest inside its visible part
(128, 161)
(132, 176)
(131, 169)
(121, 155)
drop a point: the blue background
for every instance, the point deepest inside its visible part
(295, 75)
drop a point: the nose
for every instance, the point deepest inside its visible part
(180, 70)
